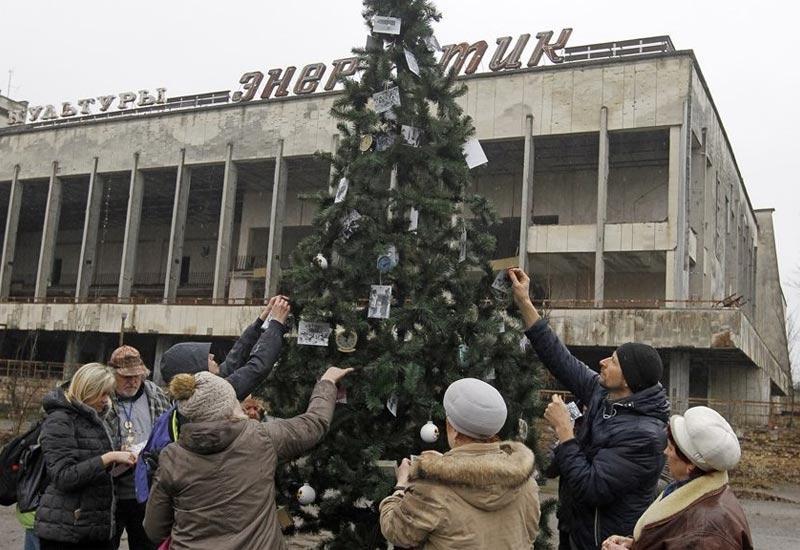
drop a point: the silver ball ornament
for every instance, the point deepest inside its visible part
(306, 494)
(429, 432)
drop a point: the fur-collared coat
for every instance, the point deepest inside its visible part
(704, 513)
(476, 496)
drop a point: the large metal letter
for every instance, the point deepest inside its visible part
(498, 63)
(177, 230)
(526, 203)
(545, 47)
(275, 81)
(91, 222)
(602, 200)
(10, 238)
(227, 213)
(276, 216)
(47, 250)
(342, 68)
(460, 53)
(133, 220)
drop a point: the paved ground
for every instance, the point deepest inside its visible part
(775, 526)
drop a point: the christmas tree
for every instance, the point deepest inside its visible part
(395, 282)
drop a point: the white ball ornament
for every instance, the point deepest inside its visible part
(320, 261)
(429, 432)
(306, 494)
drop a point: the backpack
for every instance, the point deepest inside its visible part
(32, 478)
(10, 462)
(165, 431)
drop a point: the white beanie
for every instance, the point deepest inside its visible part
(706, 438)
(474, 408)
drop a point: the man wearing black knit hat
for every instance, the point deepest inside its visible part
(609, 471)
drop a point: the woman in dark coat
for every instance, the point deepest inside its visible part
(77, 508)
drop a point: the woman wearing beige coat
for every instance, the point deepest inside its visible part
(479, 495)
(214, 488)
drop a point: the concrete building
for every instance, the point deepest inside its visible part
(9, 105)
(614, 176)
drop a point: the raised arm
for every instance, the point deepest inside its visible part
(294, 436)
(574, 374)
(241, 349)
(263, 354)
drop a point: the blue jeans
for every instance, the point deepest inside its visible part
(31, 540)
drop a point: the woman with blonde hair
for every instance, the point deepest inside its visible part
(77, 508)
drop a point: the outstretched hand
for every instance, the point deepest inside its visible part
(335, 374)
(270, 304)
(520, 288)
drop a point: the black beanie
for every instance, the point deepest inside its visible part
(641, 365)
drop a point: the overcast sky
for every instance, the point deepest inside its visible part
(63, 50)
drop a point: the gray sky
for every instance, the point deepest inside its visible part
(63, 50)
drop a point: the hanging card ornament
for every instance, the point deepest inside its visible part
(320, 261)
(462, 355)
(413, 219)
(341, 190)
(388, 260)
(574, 412)
(462, 245)
(306, 494)
(345, 339)
(431, 43)
(374, 43)
(501, 282)
(341, 395)
(384, 141)
(350, 224)
(522, 429)
(386, 25)
(380, 301)
(411, 61)
(491, 375)
(474, 153)
(385, 100)
(365, 143)
(429, 432)
(391, 404)
(524, 343)
(310, 333)
(411, 135)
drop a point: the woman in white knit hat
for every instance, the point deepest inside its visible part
(214, 488)
(481, 494)
(699, 509)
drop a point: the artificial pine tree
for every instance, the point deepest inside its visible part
(405, 220)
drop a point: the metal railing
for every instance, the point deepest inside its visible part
(620, 48)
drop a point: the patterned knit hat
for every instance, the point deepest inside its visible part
(203, 397)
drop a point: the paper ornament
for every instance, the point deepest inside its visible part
(462, 245)
(391, 404)
(341, 190)
(311, 333)
(473, 153)
(431, 43)
(413, 219)
(385, 100)
(384, 141)
(306, 494)
(350, 224)
(380, 301)
(429, 432)
(411, 61)
(411, 135)
(462, 355)
(386, 25)
(374, 43)
(365, 143)
(522, 430)
(501, 282)
(341, 395)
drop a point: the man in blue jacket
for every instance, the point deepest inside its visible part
(608, 472)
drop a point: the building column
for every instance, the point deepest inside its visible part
(276, 217)
(72, 356)
(133, 220)
(177, 230)
(47, 250)
(163, 343)
(10, 237)
(679, 369)
(526, 202)
(91, 223)
(227, 213)
(677, 273)
(602, 206)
